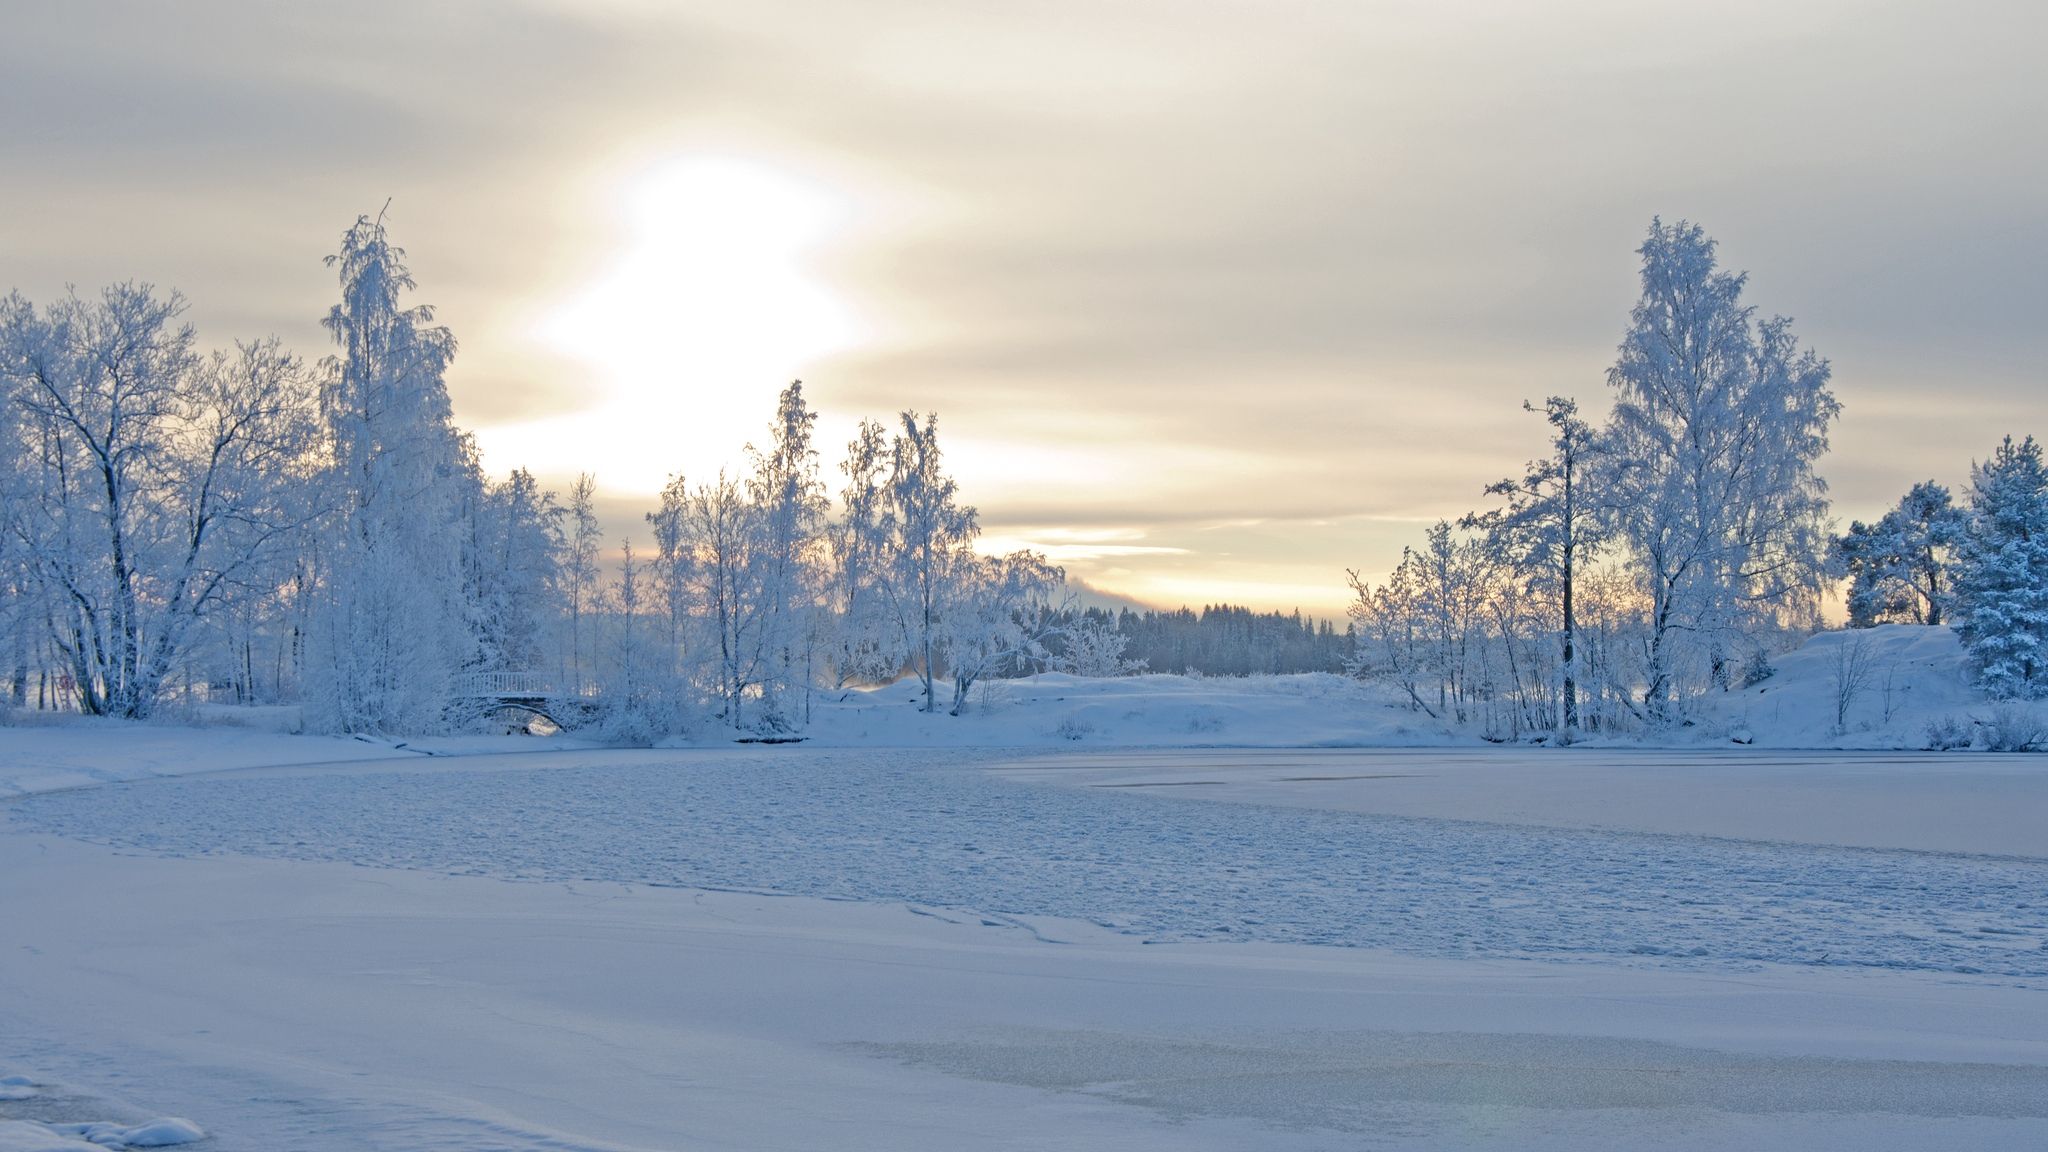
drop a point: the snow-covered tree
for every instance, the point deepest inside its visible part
(583, 537)
(1709, 460)
(2001, 579)
(928, 553)
(672, 573)
(788, 556)
(724, 531)
(996, 616)
(148, 483)
(514, 565)
(1898, 567)
(390, 627)
(1549, 528)
(626, 664)
(1091, 644)
(1424, 629)
(21, 600)
(866, 646)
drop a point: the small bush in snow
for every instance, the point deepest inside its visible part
(626, 726)
(991, 696)
(2014, 728)
(1072, 729)
(1947, 734)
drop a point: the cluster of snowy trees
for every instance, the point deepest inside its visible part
(1228, 640)
(1670, 551)
(759, 592)
(1982, 568)
(1641, 563)
(177, 524)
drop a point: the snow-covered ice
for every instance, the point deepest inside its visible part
(843, 948)
(924, 828)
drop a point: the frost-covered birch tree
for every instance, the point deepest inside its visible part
(1718, 421)
(723, 528)
(929, 537)
(865, 644)
(583, 537)
(390, 628)
(1425, 629)
(149, 482)
(672, 572)
(790, 520)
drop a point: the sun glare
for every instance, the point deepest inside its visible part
(708, 309)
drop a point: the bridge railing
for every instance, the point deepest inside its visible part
(519, 684)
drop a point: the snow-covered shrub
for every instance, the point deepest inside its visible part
(625, 725)
(1947, 734)
(991, 696)
(1072, 729)
(1758, 669)
(1093, 646)
(2014, 727)
(1854, 664)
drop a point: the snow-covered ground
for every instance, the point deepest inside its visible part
(1057, 710)
(1895, 678)
(1899, 679)
(842, 949)
(45, 754)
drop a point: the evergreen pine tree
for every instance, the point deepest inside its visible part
(2001, 586)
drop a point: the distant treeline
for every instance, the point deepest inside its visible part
(1226, 640)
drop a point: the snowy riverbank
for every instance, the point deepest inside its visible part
(1906, 679)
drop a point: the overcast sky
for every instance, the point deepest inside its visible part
(1214, 300)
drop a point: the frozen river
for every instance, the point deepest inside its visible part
(938, 831)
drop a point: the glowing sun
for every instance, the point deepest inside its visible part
(706, 311)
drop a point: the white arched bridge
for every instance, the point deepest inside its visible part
(562, 701)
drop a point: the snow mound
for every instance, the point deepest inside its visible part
(159, 1133)
(28, 1136)
(16, 1087)
(1865, 688)
(23, 1136)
